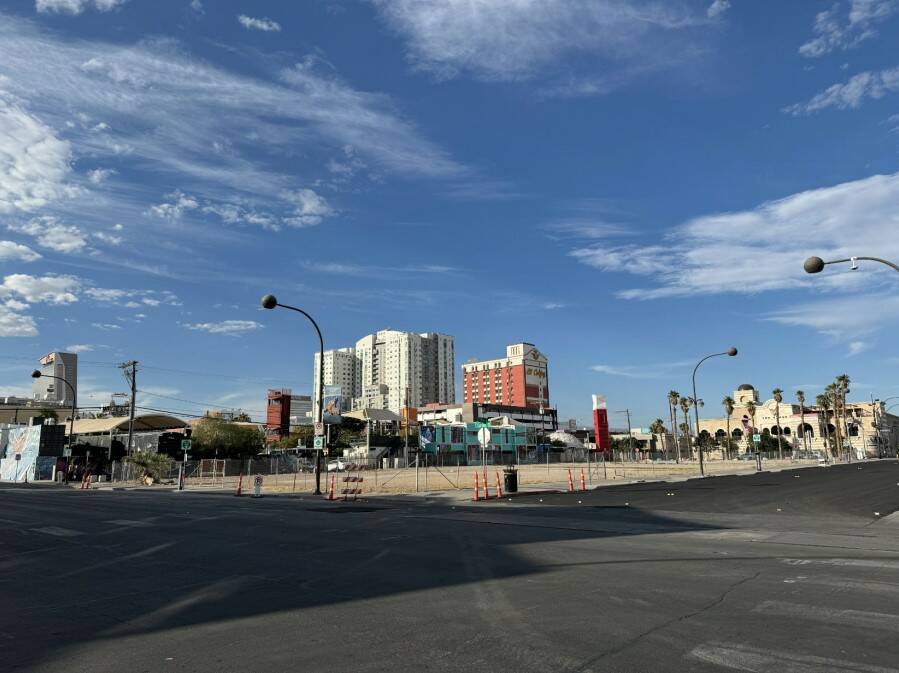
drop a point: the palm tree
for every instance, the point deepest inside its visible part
(658, 427)
(833, 398)
(750, 409)
(842, 382)
(822, 401)
(685, 404)
(778, 395)
(728, 403)
(673, 398)
(800, 397)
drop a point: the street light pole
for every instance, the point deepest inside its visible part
(269, 302)
(36, 374)
(816, 264)
(730, 352)
(630, 434)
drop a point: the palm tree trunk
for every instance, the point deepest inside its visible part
(727, 440)
(802, 427)
(674, 433)
(673, 430)
(780, 447)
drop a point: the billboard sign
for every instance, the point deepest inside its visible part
(427, 435)
(601, 424)
(335, 405)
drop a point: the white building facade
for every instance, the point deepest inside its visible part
(63, 366)
(391, 370)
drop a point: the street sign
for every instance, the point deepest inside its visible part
(756, 438)
(318, 442)
(319, 429)
(484, 436)
(67, 453)
(185, 444)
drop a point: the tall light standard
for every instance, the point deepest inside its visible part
(36, 374)
(731, 352)
(269, 301)
(630, 434)
(816, 264)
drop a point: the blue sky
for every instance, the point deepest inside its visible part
(629, 185)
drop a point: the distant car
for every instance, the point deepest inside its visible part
(336, 466)
(748, 456)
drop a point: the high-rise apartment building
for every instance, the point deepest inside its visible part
(64, 366)
(392, 369)
(521, 379)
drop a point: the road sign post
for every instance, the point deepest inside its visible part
(318, 442)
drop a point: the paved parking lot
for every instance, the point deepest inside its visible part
(771, 572)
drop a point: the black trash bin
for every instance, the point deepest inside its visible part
(510, 480)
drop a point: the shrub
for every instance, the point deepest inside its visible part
(150, 467)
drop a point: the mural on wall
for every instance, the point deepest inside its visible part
(21, 454)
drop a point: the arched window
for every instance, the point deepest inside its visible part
(736, 433)
(831, 430)
(853, 430)
(809, 430)
(787, 431)
(774, 430)
(720, 433)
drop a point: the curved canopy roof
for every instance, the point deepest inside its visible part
(143, 422)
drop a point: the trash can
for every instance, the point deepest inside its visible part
(510, 480)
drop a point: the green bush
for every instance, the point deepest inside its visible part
(152, 466)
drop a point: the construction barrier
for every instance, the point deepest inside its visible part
(570, 482)
(477, 495)
(239, 485)
(353, 491)
(499, 486)
(583, 481)
(331, 489)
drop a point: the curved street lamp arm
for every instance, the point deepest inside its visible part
(321, 360)
(868, 259)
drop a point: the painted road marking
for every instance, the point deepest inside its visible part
(745, 658)
(860, 618)
(840, 583)
(857, 562)
(130, 523)
(60, 532)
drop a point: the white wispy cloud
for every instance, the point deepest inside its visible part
(515, 39)
(34, 162)
(644, 371)
(845, 25)
(266, 25)
(50, 289)
(175, 207)
(869, 312)
(233, 327)
(349, 269)
(15, 324)
(50, 233)
(717, 8)
(79, 348)
(852, 93)
(75, 6)
(14, 251)
(744, 252)
(67, 99)
(856, 347)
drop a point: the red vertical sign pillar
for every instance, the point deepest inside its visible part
(601, 426)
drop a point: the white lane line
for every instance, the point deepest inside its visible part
(130, 523)
(840, 583)
(60, 532)
(745, 658)
(856, 562)
(860, 618)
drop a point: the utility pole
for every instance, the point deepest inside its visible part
(630, 434)
(130, 370)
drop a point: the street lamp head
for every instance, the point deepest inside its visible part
(269, 301)
(36, 374)
(731, 351)
(813, 265)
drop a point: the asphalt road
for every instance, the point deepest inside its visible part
(712, 578)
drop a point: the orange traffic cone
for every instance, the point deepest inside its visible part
(239, 484)
(477, 493)
(570, 482)
(583, 481)
(331, 489)
(499, 486)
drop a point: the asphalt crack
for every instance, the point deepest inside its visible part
(586, 667)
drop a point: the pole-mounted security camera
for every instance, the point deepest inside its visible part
(854, 261)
